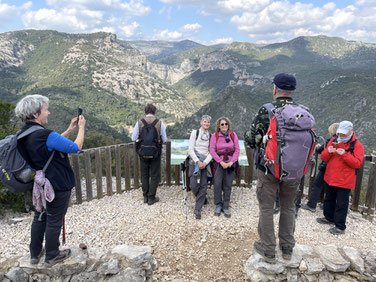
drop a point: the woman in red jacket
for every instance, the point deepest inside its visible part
(344, 155)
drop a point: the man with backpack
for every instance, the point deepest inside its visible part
(267, 135)
(344, 155)
(149, 133)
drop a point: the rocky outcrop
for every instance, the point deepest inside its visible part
(122, 263)
(323, 263)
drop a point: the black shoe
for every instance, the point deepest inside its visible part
(269, 258)
(286, 252)
(197, 214)
(63, 255)
(152, 201)
(145, 199)
(218, 210)
(308, 208)
(323, 220)
(35, 260)
(336, 231)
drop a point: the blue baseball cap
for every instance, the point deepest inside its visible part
(285, 81)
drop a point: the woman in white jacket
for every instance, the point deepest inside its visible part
(199, 163)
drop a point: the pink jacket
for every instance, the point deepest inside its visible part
(220, 147)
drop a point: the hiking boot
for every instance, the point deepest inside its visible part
(321, 205)
(145, 199)
(308, 208)
(227, 213)
(276, 210)
(269, 258)
(286, 252)
(152, 201)
(63, 255)
(323, 220)
(218, 209)
(197, 214)
(35, 260)
(336, 231)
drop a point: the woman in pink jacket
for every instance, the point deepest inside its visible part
(224, 148)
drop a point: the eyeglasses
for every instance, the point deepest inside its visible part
(223, 124)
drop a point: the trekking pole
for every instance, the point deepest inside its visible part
(183, 169)
(64, 230)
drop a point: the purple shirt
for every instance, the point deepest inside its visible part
(220, 147)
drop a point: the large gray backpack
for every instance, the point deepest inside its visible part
(15, 173)
(290, 141)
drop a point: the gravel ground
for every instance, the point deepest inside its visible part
(210, 249)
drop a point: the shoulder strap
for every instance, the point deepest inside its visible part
(270, 108)
(48, 162)
(197, 133)
(29, 131)
(144, 122)
(232, 136)
(352, 146)
(154, 122)
(216, 136)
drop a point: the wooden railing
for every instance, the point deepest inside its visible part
(122, 161)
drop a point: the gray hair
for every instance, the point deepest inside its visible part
(205, 117)
(283, 92)
(30, 105)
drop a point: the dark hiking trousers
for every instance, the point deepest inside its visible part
(267, 186)
(150, 176)
(223, 178)
(199, 189)
(336, 205)
(317, 188)
(48, 226)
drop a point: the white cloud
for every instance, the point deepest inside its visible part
(225, 40)
(115, 16)
(129, 30)
(8, 13)
(192, 28)
(167, 35)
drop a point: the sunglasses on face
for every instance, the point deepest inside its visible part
(224, 124)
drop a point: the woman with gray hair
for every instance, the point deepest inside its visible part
(37, 148)
(199, 162)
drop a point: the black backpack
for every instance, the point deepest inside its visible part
(149, 145)
(15, 173)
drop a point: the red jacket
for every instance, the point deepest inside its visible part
(341, 170)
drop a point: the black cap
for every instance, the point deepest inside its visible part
(285, 81)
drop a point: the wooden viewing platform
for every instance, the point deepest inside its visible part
(121, 160)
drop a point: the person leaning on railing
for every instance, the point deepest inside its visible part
(59, 180)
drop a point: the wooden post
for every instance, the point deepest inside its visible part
(371, 189)
(168, 163)
(177, 174)
(358, 188)
(249, 152)
(118, 169)
(89, 188)
(76, 169)
(313, 173)
(136, 167)
(127, 168)
(109, 171)
(98, 173)
(239, 177)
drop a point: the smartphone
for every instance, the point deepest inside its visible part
(79, 112)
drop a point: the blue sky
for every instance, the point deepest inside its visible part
(204, 21)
